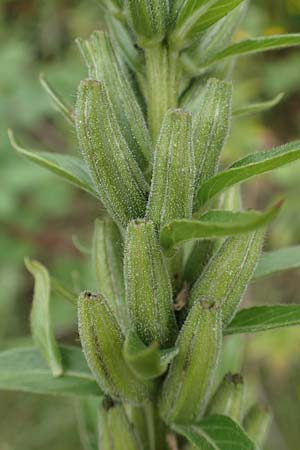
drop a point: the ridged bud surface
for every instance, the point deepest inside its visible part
(171, 194)
(188, 384)
(104, 65)
(102, 341)
(228, 399)
(115, 431)
(228, 273)
(148, 19)
(211, 127)
(148, 287)
(107, 256)
(119, 180)
(257, 423)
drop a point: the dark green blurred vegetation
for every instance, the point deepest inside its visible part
(39, 213)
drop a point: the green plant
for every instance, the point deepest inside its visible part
(177, 252)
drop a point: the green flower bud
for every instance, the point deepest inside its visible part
(117, 176)
(115, 431)
(234, 264)
(171, 194)
(104, 65)
(149, 20)
(188, 384)
(102, 341)
(107, 255)
(257, 423)
(228, 399)
(211, 127)
(148, 287)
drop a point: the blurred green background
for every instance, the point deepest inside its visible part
(39, 214)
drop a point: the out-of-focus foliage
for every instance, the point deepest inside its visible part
(39, 213)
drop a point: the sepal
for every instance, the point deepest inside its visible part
(199, 344)
(102, 341)
(149, 20)
(148, 286)
(171, 193)
(119, 180)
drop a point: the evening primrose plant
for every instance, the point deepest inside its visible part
(175, 251)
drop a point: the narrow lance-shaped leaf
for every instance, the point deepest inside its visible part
(196, 17)
(148, 19)
(119, 180)
(278, 261)
(217, 433)
(199, 345)
(40, 317)
(215, 224)
(24, 369)
(57, 100)
(255, 45)
(234, 263)
(211, 128)
(254, 108)
(146, 362)
(263, 318)
(104, 65)
(246, 168)
(171, 193)
(148, 287)
(107, 256)
(115, 430)
(68, 167)
(102, 341)
(219, 35)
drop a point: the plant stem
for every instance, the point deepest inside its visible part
(162, 84)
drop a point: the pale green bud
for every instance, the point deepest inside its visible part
(148, 286)
(188, 385)
(116, 174)
(102, 341)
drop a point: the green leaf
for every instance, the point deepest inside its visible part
(40, 319)
(24, 369)
(278, 261)
(195, 17)
(217, 433)
(215, 224)
(254, 108)
(255, 45)
(146, 362)
(246, 168)
(57, 100)
(262, 318)
(68, 167)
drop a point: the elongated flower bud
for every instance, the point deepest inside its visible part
(228, 399)
(107, 255)
(104, 65)
(149, 20)
(188, 384)
(148, 287)
(211, 127)
(234, 264)
(115, 430)
(257, 423)
(102, 341)
(117, 176)
(171, 194)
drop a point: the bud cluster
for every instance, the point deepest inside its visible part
(151, 135)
